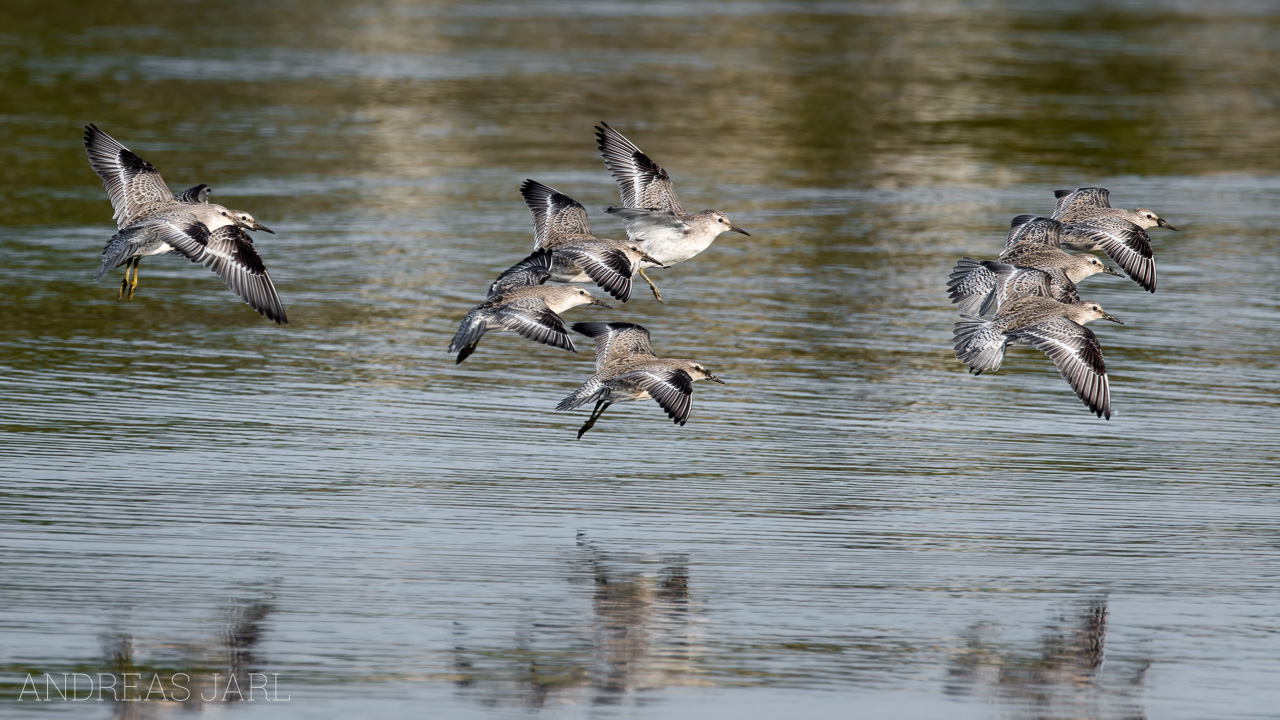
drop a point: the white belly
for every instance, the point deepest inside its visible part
(672, 247)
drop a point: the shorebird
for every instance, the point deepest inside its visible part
(152, 221)
(980, 287)
(627, 370)
(1056, 329)
(517, 302)
(652, 213)
(560, 225)
(1090, 223)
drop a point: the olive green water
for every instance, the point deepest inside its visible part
(852, 527)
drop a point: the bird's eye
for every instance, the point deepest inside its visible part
(224, 214)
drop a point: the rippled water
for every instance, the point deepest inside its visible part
(853, 525)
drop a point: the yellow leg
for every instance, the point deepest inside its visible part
(656, 294)
(134, 285)
(124, 284)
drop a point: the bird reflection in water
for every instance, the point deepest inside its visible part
(641, 634)
(1063, 677)
(166, 675)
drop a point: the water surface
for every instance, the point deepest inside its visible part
(853, 523)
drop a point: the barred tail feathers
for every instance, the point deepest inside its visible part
(469, 333)
(970, 285)
(592, 390)
(979, 344)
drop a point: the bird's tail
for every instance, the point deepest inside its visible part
(117, 252)
(469, 333)
(590, 391)
(970, 284)
(979, 344)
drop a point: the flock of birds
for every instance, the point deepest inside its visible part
(1028, 296)
(151, 220)
(659, 234)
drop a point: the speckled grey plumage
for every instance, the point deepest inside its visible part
(152, 221)
(1033, 230)
(1055, 328)
(1044, 257)
(560, 225)
(1090, 223)
(980, 287)
(517, 302)
(650, 209)
(628, 371)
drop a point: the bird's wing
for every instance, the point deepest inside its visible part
(1033, 230)
(131, 182)
(1013, 283)
(555, 215)
(670, 387)
(533, 270)
(641, 182)
(1060, 286)
(178, 230)
(1078, 355)
(616, 341)
(646, 224)
(610, 268)
(532, 319)
(1073, 201)
(1124, 242)
(198, 195)
(229, 253)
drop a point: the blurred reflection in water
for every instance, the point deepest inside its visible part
(1063, 676)
(641, 635)
(144, 677)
